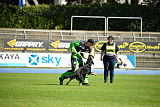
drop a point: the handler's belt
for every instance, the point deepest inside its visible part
(109, 54)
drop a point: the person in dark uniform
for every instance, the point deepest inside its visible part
(109, 56)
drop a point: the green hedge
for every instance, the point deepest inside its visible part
(51, 16)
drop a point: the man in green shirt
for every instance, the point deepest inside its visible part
(79, 51)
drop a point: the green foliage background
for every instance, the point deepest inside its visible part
(49, 16)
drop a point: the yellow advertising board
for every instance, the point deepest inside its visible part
(135, 47)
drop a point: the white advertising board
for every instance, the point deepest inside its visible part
(124, 61)
(48, 60)
(12, 59)
(55, 60)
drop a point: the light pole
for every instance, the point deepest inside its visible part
(101, 3)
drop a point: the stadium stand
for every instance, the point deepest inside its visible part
(143, 60)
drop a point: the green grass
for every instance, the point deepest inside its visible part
(43, 90)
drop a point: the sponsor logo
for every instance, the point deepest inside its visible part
(137, 47)
(99, 44)
(58, 44)
(124, 45)
(35, 60)
(154, 47)
(15, 43)
(9, 56)
(64, 45)
(55, 44)
(12, 43)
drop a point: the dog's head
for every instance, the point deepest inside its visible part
(90, 60)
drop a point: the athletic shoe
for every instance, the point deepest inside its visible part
(61, 81)
(85, 84)
(105, 82)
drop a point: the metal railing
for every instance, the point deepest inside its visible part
(50, 33)
(95, 17)
(13, 34)
(25, 32)
(149, 38)
(135, 18)
(62, 34)
(98, 37)
(70, 33)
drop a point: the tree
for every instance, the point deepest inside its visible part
(126, 1)
(111, 1)
(13, 2)
(134, 1)
(155, 3)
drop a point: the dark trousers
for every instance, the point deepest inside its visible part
(109, 66)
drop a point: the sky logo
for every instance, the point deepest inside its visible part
(34, 59)
(43, 60)
(50, 59)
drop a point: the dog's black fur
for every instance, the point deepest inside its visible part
(79, 73)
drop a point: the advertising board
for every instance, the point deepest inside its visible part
(64, 46)
(54, 60)
(12, 59)
(124, 61)
(36, 45)
(133, 47)
(48, 60)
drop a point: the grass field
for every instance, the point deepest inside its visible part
(43, 90)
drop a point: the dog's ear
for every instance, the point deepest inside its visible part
(82, 54)
(92, 62)
(90, 56)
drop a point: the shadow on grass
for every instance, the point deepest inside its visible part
(47, 84)
(57, 84)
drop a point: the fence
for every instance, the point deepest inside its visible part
(50, 34)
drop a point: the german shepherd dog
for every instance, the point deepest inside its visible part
(80, 73)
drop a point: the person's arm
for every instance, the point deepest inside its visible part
(102, 51)
(92, 53)
(73, 45)
(117, 56)
(101, 58)
(117, 49)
